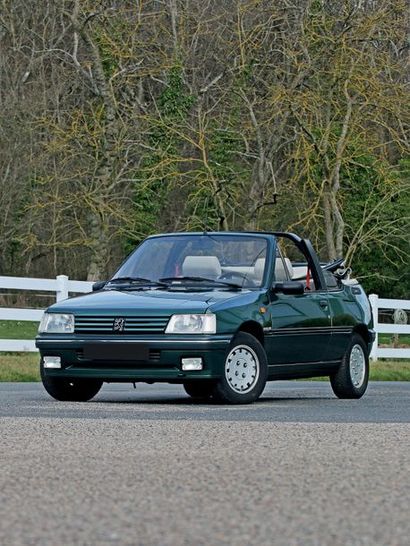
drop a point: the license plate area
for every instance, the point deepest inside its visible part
(134, 352)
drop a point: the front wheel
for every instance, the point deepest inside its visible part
(352, 377)
(245, 371)
(70, 390)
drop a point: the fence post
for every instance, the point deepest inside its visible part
(374, 303)
(62, 287)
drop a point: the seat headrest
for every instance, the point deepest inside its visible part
(259, 268)
(280, 273)
(289, 266)
(201, 266)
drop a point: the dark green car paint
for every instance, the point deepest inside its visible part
(303, 335)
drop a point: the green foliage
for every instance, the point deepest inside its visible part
(377, 200)
(202, 211)
(175, 102)
(108, 33)
(224, 145)
(159, 167)
(222, 177)
(204, 108)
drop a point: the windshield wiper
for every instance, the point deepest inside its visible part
(139, 280)
(200, 279)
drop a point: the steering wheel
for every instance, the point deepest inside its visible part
(230, 275)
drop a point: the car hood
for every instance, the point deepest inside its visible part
(147, 302)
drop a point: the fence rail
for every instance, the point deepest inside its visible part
(381, 328)
(62, 286)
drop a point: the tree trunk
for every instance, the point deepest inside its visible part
(105, 171)
(100, 249)
(330, 244)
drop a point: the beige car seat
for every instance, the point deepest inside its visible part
(258, 270)
(280, 272)
(201, 266)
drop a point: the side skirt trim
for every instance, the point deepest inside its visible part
(306, 331)
(314, 363)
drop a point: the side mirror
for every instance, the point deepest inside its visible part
(98, 285)
(289, 287)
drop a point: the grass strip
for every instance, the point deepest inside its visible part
(24, 367)
(19, 367)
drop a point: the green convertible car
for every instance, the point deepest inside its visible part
(220, 313)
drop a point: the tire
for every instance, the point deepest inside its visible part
(352, 376)
(70, 390)
(246, 362)
(199, 390)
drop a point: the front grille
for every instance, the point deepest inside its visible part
(92, 324)
(154, 356)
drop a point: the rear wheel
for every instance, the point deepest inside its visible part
(199, 390)
(70, 390)
(245, 371)
(352, 377)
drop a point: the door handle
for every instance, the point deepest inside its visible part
(324, 304)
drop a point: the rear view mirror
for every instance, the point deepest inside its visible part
(98, 285)
(289, 287)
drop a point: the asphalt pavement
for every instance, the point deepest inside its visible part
(150, 467)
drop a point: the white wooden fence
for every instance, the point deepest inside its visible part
(62, 287)
(382, 328)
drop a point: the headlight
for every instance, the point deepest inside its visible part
(192, 324)
(56, 323)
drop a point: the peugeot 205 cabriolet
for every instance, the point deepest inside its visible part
(220, 313)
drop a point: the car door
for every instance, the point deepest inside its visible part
(300, 325)
(346, 312)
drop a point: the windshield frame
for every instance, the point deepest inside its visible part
(270, 249)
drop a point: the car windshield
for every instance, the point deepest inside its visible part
(223, 260)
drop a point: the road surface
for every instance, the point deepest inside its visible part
(149, 467)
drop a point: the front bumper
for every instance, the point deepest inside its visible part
(162, 364)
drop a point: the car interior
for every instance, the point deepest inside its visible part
(211, 268)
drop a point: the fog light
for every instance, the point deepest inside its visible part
(52, 362)
(192, 364)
